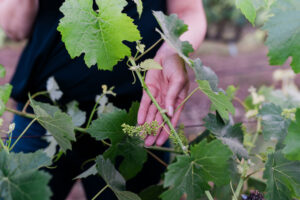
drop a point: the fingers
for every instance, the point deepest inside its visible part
(165, 133)
(173, 92)
(144, 106)
(150, 140)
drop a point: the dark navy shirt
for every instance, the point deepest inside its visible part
(45, 56)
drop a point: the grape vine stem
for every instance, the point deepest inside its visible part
(24, 131)
(98, 194)
(165, 117)
(244, 173)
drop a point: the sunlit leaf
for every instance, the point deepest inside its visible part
(98, 34)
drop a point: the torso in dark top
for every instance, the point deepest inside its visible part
(45, 55)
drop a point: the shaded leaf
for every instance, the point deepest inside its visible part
(206, 74)
(98, 34)
(20, 178)
(131, 149)
(283, 177)
(152, 193)
(78, 116)
(283, 38)
(114, 179)
(89, 172)
(57, 123)
(292, 140)
(274, 126)
(53, 89)
(229, 134)
(109, 127)
(190, 174)
(172, 28)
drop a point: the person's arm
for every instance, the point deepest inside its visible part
(17, 17)
(170, 85)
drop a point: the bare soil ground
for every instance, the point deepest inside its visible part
(247, 68)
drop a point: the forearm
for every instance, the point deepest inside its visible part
(17, 17)
(192, 13)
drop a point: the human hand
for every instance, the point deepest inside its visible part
(169, 87)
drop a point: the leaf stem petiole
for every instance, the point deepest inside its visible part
(99, 193)
(21, 135)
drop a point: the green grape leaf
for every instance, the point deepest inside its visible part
(283, 38)
(172, 28)
(283, 177)
(152, 192)
(292, 140)
(109, 127)
(78, 116)
(248, 9)
(126, 195)
(274, 126)
(208, 84)
(131, 149)
(5, 91)
(20, 178)
(219, 100)
(278, 97)
(190, 174)
(2, 71)
(206, 74)
(89, 172)
(98, 34)
(57, 123)
(113, 179)
(139, 6)
(224, 192)
(229, 134)
(150, 64)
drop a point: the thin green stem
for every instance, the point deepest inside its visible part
(238, 189)
(21, 135)
(33, 96)
(27, 115)
(258, 130)
(165, 117)
(3, 146)
(98, 194)
(187, 98)
(93, 111)
(244, 173)
(241, 102)
(149, 49)
(209, 195)
(157, 158)
(81, 130)
(157, 148)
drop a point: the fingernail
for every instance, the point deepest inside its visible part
(171, 111)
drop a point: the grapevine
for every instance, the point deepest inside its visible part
(226, 156)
